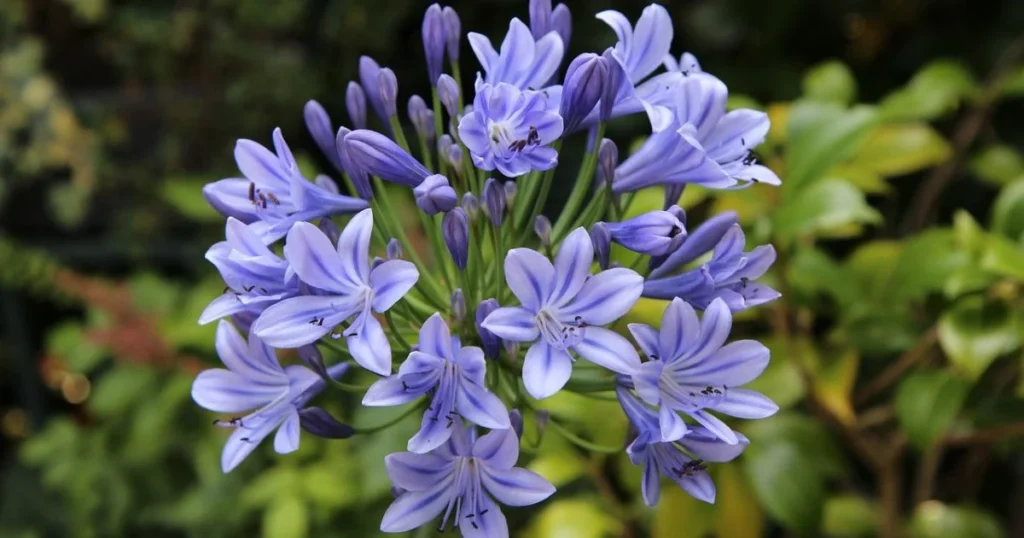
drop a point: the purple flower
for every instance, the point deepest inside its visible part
(452, 33)
(656, 232)
(347, 288)
(494, 201)
(691, 370)
(360, 178)
(435, 195)
(730, 275)
(561, 23)
(540, 18)
(687, 63)
(369, 77)
(256, 277)
(522, 62)
(491, 343)
(455, 232)
(380, 156)
(641, 49)
(660, 458)
(434, 41)
(448, 91)
(422, 118)
(388, 83)
(273, 194)
(461, 480)
(355, 104)
(562, 308)
(319, 125)
(509, 130)
(255, 380)
(584, 85)
(453, 375)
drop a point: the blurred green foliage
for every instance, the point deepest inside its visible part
(896, 349)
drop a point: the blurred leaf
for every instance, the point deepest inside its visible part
(735, 101)
(834, 382)
(808, 437)
(559, 468)
(286, 518)
(925, 263)
(998, 164)
(1008, 210)
(1003, 257)
(935, 90)
(151, 293)
(830, 82)
(812, 271)
(926, 404)
(68, 342)
(69, 204)
(933, 519)
(974, 332)
(822, 206)
(1013, 85)
(820, 136)
(789, 490)
(575, 518)
(183, 192)
(781, 380)
(268, 486)
(678, 515)
(850, 516)
(117, 391)
(879, 332)
(737, 512)
(871, 263)
(865, 179)
(899, 149)
(778, 114)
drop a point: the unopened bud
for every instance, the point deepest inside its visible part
(394, 249)
(542, 227)
(458, 304)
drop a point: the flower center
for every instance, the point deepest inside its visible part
(559, 333)
(468, 501)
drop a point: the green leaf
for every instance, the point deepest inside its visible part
(925, 264)
(781, 380)
(789, 490)
(821, 207)
(678, 515)
(899, 149)
(998, 164)
(737, 512)
(812, 271)
(808, 437)
(927, 403)
(830, 82)
(69, 342)
(286, 518)
(935, 90)
(822, 135)
(185, 194)
(119, 390)
(934, 519)
(1013, 85)
(1003, 257)
(974, 332)
(850, 516)
(1008, 210)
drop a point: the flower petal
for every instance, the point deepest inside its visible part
(715, 426)
(436, 339)
(606, 296)
(671, 424)
(705, 445)
(735, 364)
(295, 322)
(391, 391)
(530, 276)
(481, 407)
(572, 266)
(545, 370)
(237, 355)
(417, 472)
(260, 166)
(651, 483)
(287, 438)
(354, 247)
(390, 281)
(608, 349)
(472, 363)
(415, 508)
(715, 326)
(314, 259)
(499, 449)
(489, 522)
(680, 330)
(647, 338)
(243, 441)
(224, 391)
(516, 486)
(745, 403)
(483, 49)
(370, 347)
(652, 39)
(699, 486)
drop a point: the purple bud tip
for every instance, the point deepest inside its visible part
(601, 237)
(452, 33)
(673, 192)
(616, 78)
(584, 84)
(494, 201)
(561, 22)
(421, 117)
(355, 104)
(448, 91)
(455, 230)
(394, 249)
(516, 418)
(540, 18)
(313, 358)
(434, 40)
(388, 91)
(318, 123)
(454, 156)
(470, 204)
(678, 212)
(459, 304)
(369, 71)
(510, 192)
(542, 227)
(330, 229)
(542, 417)
(376, 262)
(607, 159)
(360, 178)
(319, 422)
(490, 341)
(435, 195)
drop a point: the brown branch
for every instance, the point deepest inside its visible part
(896, 370)
(986, 436)
(920, 211)
(928, 468)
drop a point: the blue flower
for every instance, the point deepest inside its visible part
(562, 306)
(255, 380)
(453, 374)
(687, 64)
(642, 49)
(346, 288)
(730, 275)
(522, 62)
(461, 480)
(274, 195)
(509, 130)
(256, 277)
(691, 370)
(660, 458)
(656, 232)
(375, 154)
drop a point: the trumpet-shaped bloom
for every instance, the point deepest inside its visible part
(347, 288)
(460, 481)
(454, 375)
(660, 458)
(255, 380)
(730, 275)
(523, 62)
(562, 308)
(691, 370)
(256, 277)
(509, 130)
(273, 195)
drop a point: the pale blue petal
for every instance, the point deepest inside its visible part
(735, 364)
(512, 323)
(421, 362)
(481, 407)
(295, 322)
(699, 486)
(354, 247)
(390, 281)
(715, 426)
(545, 370)
(370, 347)
(243, 441)
(499, 449)
(652, 40)
(697, 243)
(715, 326)
(705, 445)
(650, 485)
(436, 338)
(287, 438)
(416, 508)
(516, 486)
(224, 391)
(671, 424)
(623, 30)
(391, 391)
(646, 381)
(314, 259)
(647, 338)
(417, 472)
(490, 522)
(606, 296)
(744, 403)
(472, 363)
(572, 266)
(248, 359)
(608, 349)
(548, 53)
(261, 167)
(223, 306)
(680, 330)
(530, 276)
(485, 53)
(230, 197)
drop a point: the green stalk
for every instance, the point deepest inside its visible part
(579, 190)
(499, 258)
(374, 429)
(398, 334)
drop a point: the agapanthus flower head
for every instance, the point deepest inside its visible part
(453, 375)
(659, 458)
(435, 195)
(380, 156)
(731, 274)
(355, 104)
(656, 232)
(562, 309)
(347, 289)
(523, 62)
(692, 370)
(509, 130)
(434, 41)
(460, 481)
(273, 194)
(256, 277)
(255, 383)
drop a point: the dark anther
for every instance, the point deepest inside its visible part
(273, 198)
(518, 146)
(264, 290)
(252, 192)
(532, 137)
(743, 142)
(484, 511)
(676, 230)
(405, 386)
(474, 524)
(744, 281)
(248, 288)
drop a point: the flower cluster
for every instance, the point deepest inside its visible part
(501, 299)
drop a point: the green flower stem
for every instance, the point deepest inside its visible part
(580, 386)
(581, 442)
(398, 334)
(527, 186)
(425, 154)
(594, 210)
(579, 191)
(499, 259)
(396, 128)
(374, 429)
(457, 75)
(442, 166)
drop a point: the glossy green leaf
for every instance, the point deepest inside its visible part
(927, 403)
(830, 82)
(850, 516)
(935, 90)
(809, 438)
(822, 135)
(899, 149)
(934, 519)
(823, 206)
(286, 518)
(1008, 210)
(999, 164)
(974, 332)
(811, 271)
(790, 491)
